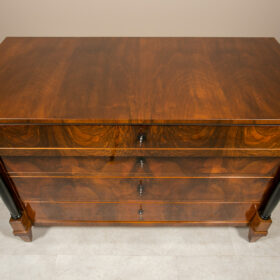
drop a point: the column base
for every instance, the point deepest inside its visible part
(258, 227)
(22, 227)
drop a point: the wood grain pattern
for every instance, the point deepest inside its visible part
(174, 189)
(152, 167)
(55, 136)
(241, 212)
(72, 110)
(139, 80)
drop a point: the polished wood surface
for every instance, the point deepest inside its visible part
(140, 131)
(170, 136)
(142, 167)
(139, 80)
(157, 212)
(171, 189)
(169, 140)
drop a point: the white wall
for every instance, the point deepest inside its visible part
(140, 18)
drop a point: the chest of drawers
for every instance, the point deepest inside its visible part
(140, 131)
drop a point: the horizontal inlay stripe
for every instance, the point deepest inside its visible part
(42, 222)
(12, 175)
(140, 202)
(155, 152)
(144, 149)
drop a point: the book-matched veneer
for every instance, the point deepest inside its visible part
(140, 131)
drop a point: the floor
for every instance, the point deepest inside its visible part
(120, 253)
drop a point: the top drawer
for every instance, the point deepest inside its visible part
(139, 137)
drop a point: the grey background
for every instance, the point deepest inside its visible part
(259, 18)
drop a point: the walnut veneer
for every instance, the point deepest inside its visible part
(140, 131)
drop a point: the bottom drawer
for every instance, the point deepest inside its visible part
(144, 212)
(127, 189)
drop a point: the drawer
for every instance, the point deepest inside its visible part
(142, 166)
(115, 190)
(134, 212)
(135, 136)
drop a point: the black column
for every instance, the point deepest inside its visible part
(8, 200)
(266, 210)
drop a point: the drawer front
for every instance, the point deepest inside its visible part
(142, 166)
(135, 136)
(135, 212)
(115, 190)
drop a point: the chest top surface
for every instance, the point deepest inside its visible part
(140, 80)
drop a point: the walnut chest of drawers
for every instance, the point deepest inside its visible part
(140, 131)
